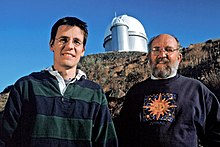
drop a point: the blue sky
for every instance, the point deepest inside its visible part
(25, 26)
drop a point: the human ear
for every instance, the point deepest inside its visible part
(83, 52)
(180, 56)
(51, 45)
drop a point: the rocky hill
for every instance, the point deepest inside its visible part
(116, 72)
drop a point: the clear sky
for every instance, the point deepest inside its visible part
(25, 26)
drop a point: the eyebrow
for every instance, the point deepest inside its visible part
(164, 47)
(66, 37)
(63, 37)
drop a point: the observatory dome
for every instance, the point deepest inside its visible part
(125, 33)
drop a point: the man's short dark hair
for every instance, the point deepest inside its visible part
(71, 21)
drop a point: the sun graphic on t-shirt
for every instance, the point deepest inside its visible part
(159, 107)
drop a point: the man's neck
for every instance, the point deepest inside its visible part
(67, 74)
(156, 78)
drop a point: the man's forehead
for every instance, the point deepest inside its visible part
(163, 40)
(68, 30)
(64, 28)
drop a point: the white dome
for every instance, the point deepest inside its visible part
(125, 33)
(133, 24)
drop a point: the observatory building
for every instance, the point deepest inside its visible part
(125, 33)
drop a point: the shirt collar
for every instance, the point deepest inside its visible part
(155, 78)
(79, 73)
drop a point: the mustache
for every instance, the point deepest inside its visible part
(165, 60)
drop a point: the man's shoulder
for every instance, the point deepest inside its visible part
(86, 83)
(193, 83)
(142, 83)
(139, 87)
(41, 75)
(189, 79)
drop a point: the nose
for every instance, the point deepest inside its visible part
(162, 53)
(70, 45)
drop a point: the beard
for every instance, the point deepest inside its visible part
(163, 68)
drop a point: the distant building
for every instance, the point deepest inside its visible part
(125, 33)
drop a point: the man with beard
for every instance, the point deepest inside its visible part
(168, 109)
